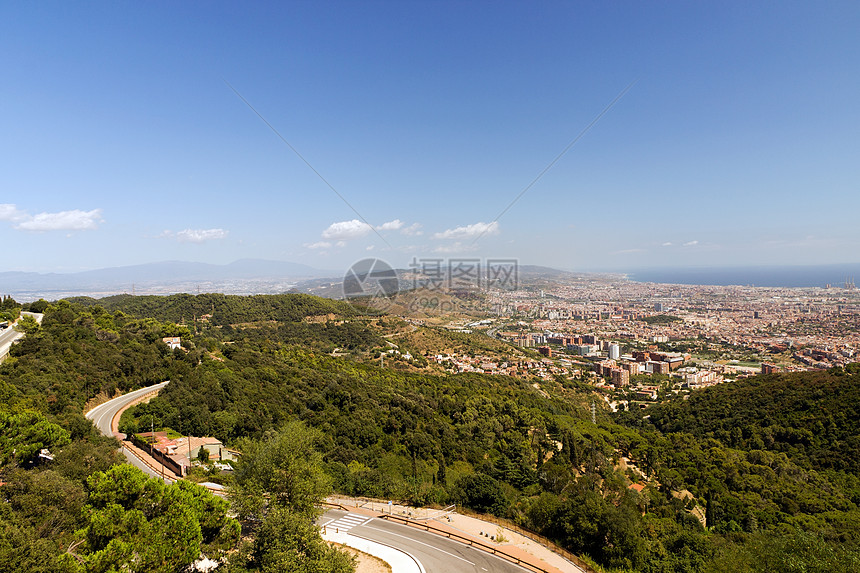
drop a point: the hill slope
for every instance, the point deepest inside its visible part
(812, 416)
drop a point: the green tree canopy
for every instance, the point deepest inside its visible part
(278, 484)
(288, 541)
(283, 469)
(24, 434)
(139, 524)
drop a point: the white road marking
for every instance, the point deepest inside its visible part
(422, 543)
(349, 521)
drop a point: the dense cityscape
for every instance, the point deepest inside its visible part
(633, 339)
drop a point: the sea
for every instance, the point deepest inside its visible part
(806, 276)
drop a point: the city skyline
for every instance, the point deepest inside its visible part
(421, 124)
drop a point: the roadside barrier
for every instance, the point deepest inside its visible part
(357, 502)
(468, 540)
(328, 503)
(534, 537)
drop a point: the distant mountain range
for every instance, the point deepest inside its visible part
(258, 276)
(165, 276)
(245, 276)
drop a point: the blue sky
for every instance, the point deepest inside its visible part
(738, 144)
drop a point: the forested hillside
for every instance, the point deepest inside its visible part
(80, 353)
(222, 309)
(774, 459)
(60, 483)
(812, 416)
(217, 314)
(69, 504)
(494, 444)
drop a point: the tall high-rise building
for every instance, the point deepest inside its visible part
(620, 377)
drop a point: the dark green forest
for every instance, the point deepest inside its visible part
(85, 510)
(757, 475)
(222, 309)
(812, 417)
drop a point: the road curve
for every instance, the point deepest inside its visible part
(7, 337)
(10, 334)
(436, 554)
(102, 417)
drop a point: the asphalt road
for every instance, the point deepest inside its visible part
(9, 335)
(436, 554)
(102, 415)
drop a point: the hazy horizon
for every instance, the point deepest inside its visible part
(250, 276)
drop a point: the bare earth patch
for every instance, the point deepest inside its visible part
(367, 563)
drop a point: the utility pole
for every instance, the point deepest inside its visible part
(189, 458)
(160, 459)
(189, 452)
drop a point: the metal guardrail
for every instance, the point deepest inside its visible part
(548, 543)
(442, 512)
(469, 541)
(328, 503)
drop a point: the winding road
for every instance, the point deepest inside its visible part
(430, 553)
(10, 334)
(102, 417)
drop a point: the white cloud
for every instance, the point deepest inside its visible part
(195, 235)
(200, 235)
(667, 244)
(691, 243)
(9, 212)
(319, 245)
(628, 251)
(74, 220)
(391, 225)
(344, 230)
(412, 230)
(469, 231)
